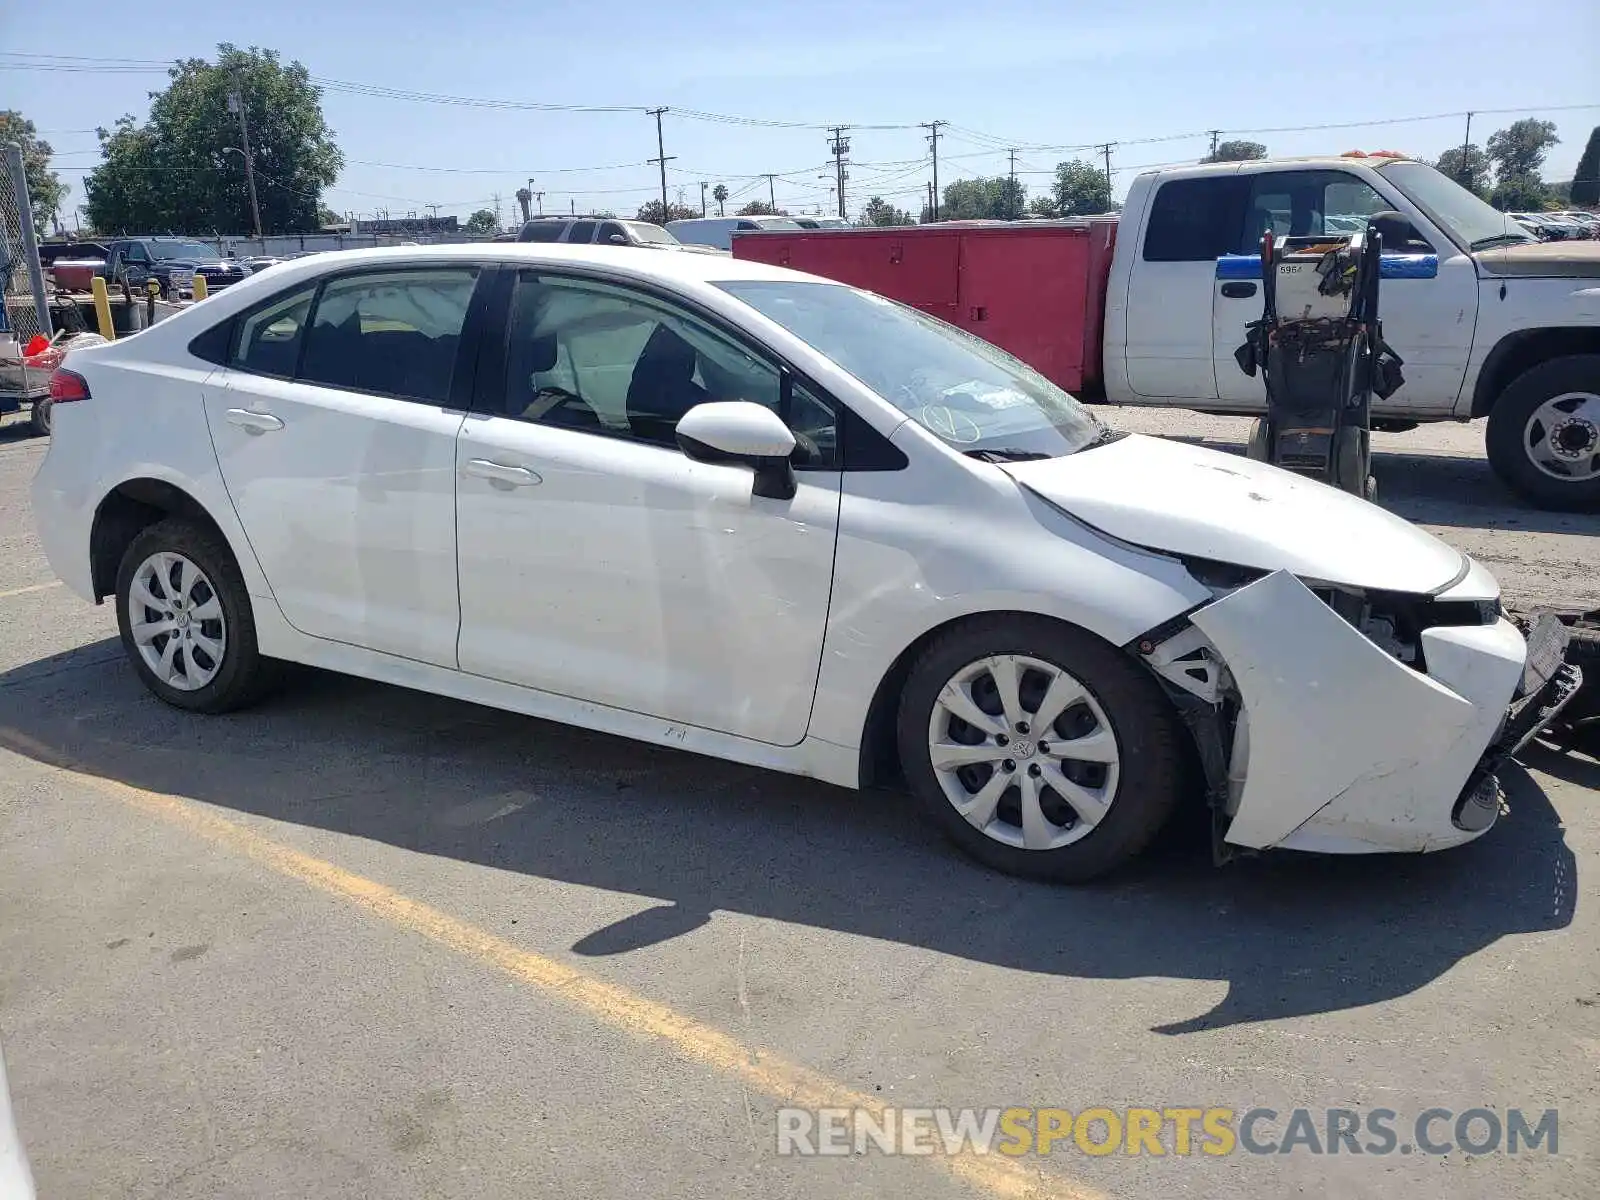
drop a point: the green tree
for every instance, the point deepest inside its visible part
(1520, 148)
(879, 211)
(1081, 188)
(326, 217)
(1467, 165)
(760, 208)
(183, 169)
(483, 221)
(996, 199)
(1520, 193)
(1042, 206)
(1236, 152)
(45, 189)
(720, 195)
(651, 211)
(1586, 180)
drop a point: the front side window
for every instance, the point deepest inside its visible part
(593, 356)
(392, 332)
(611, 230)
(974, 396)
(581, 232)
(270, 338)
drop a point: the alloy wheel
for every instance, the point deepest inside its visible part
(1023, 751)
(1562, 437)
(177, 621)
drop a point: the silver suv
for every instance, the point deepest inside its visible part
(601, 231)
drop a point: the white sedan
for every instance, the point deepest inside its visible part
(765, 517)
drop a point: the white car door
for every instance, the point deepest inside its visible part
(1168, 323)
(1428, 303)
(600, 563)
(335, 427)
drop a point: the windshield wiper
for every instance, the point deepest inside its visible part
(1515, 239)
(1006, 454)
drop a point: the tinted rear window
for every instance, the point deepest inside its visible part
(542, 231)
(1194, 220)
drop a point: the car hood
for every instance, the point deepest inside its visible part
(1574, 260)
(1201, 503)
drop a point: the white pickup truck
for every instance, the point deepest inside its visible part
(1149, 306)
(1490, 322)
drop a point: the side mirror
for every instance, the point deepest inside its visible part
(616, 239)
(744, 433)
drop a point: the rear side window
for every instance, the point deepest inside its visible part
(582, 231)
(270, 338)
(1194, 220)
(542, 231)
(396, 333)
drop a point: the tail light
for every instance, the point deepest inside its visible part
(66, 386)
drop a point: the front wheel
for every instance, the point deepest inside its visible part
(1544, 434)
(1040, 750)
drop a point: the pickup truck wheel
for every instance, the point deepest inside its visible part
(1544, 434)
(1038, 749)
(186, 622)
(39, 417)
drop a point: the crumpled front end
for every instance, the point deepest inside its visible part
(1348, 724)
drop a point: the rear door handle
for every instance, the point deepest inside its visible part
(500, 474)
(1238, 291)
(253, 422)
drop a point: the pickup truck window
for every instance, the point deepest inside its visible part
(1305, 203)
(610, 230)
(1464, 216)
(581, 232)
(1193, 220)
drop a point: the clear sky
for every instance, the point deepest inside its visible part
(1006, 72)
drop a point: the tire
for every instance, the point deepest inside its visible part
(215, 666)
(1520, 424)
(1352, 462)
(39, 417)
(1256, 445)
(1119, 710)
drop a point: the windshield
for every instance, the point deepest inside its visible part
(646, 232)
(974, 396)
(1469, 220)
(181, 250)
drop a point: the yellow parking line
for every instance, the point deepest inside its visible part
(784, 1081)
(37, 587)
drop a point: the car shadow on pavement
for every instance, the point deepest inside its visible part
(1291, 935)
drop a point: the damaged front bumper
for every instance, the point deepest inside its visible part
(1336, 746)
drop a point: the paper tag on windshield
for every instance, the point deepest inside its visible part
(989, 397)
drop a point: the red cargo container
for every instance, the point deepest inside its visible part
(1035, 288)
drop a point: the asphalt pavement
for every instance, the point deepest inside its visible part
(361, 941)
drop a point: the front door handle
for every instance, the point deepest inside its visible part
(501, 475)
(253, 422)
(1238, 291)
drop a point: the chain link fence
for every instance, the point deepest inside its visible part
(19, 255)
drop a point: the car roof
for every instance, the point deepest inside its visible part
(668, 268)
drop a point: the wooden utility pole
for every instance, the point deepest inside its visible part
(1107, 148)
(236, 103)
(661, 159)
(1011, 192)
(933, 140)
(839, 147)
(702, 197)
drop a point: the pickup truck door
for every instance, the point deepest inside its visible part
(1429, 309)
(1168, 340)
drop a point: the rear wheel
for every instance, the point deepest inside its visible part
(1038, 749)
(1544, 434)
(186, 621)
(39, 417)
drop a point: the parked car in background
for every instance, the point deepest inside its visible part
(172, 262)
(1587, 221)
(821, 222)
(1549, 226)
(598, 231)
(260, 262)
(740, 511)
(718, 232)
